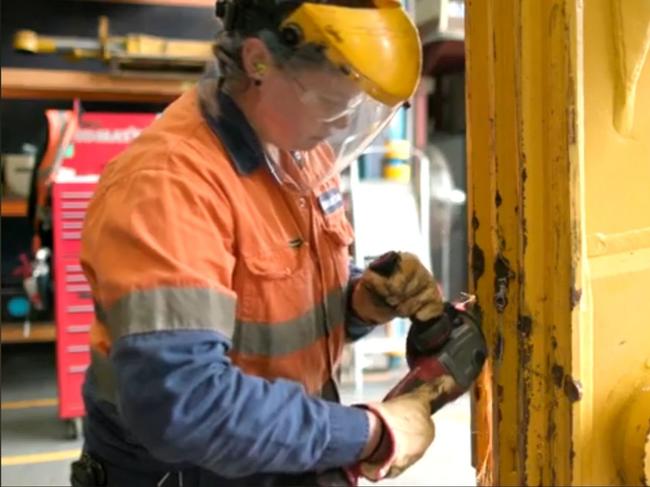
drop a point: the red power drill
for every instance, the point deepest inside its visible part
(449, 345)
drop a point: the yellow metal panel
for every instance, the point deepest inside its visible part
(617, 182)
(559, 152)
(525, 196)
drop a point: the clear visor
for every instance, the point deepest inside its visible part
(347, 126)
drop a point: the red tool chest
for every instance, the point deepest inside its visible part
(98, 139)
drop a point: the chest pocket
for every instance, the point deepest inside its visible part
(338, 229)
(340, 236)
(274, 286)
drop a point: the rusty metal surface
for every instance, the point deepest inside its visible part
(525, 238)
(558, 116)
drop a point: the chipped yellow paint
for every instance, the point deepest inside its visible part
(559, 212)
(525, 205)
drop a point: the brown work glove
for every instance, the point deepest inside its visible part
(409, 291)
(408, 430)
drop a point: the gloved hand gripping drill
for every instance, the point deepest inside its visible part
(445, 353)
(451, 345)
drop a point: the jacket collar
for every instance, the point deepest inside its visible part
(236, 135)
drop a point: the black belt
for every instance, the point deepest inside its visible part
(92, 471)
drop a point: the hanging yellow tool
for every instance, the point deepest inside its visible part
(132, 52)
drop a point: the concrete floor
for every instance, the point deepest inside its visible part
(36, 453)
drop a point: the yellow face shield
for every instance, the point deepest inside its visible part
(377, 54)
(379, 48)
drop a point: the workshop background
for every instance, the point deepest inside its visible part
(407, 192)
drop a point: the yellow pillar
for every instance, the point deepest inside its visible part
(559, 154)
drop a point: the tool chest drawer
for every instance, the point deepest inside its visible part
(74, 310)
(73, 297)
(69, 205)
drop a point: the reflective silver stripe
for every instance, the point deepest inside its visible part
(170, 308)
(283, 338)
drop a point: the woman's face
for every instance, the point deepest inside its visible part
(297, 110)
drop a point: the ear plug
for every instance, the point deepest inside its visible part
(260, 69)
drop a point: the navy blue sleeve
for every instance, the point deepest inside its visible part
(186, 402)
(355, 328)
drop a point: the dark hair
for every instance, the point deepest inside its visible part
(226, 70)
(241, 19)
(228, 52)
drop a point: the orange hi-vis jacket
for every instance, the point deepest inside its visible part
(266, 268)
(189, 232)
